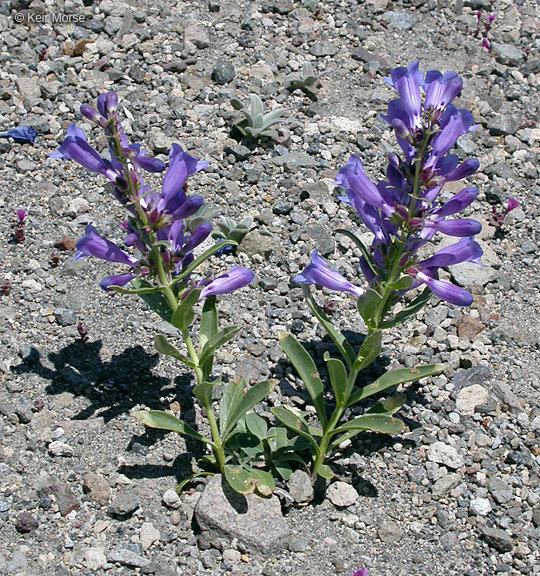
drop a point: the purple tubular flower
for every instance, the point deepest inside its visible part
(463, 227)
(198, 236)
(407, 82)
(181, 165)
(510, 205)
(92, 244)
(464, 170)
(441, 89)
(353, 177)
(117, 280)
(75, 147)
(20, 134)
(455, 126)
(445, 290)
(466, 250)
(317, 272)
(458, 202)
(148, 164)
(234, 279)
(189, 207)
(21, 214)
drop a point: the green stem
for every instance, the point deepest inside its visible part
(164, 280)
(219, 451)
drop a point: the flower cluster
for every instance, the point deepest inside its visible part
(406, 210)
(155, 225)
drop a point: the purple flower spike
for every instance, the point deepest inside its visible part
(20, 134)
(92, 244)
(234, 279)
(317, 272)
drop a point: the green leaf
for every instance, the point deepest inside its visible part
(338, 379)
(369, 350)
(284, 469)
(245, 402)
(325, 472)
(164, 421)
(200, 259)
(402, 283)
(373, 422)
(216, 341)
(365, 252)
(207, 329)
(388, 406)
(163, 346)
(277, 438)
(155, 300)
(189, 479)
(257, 425)
(339, 339)
(247, 481)
(203, 393)
(368, 304)
(183, 316)
(295, 422)
(307, 371)
(231, 396)
(393, 378)
(410, 310)
(236, 104)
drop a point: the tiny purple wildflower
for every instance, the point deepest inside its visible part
(359, 572)
(20, 134)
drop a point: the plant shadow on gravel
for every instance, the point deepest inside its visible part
(113, 387)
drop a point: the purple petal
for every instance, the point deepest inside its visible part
(234, 279)
(464, 170)
(359, 572)
(117, 280)
(21, 134)
(102, 105)
(198, 236)
(511, 204)
(21, 214)
(317, 272)
(457, 124)
(466, 250)
(446, 291)
(441, 89)
(148, 164)
(458, 202)
(463, 227)
(92, 244)
(352, 177)
(111, 101)
(407, 82)
(181, 166)
(189, 207)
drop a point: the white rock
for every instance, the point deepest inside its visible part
(470, 397)
(480, 506)
(171, 499)
(58, 448)
(94, 558)
(442, 453)
(149, 535)
(342, 494)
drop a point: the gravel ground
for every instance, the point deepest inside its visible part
(81, 482)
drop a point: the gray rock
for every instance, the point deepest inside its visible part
(399, 20)
(390, 532)
(470, 397)
(324, 241)
(197, 36)
(300, 487)
(125, 503)
(65, 316)
(442, 453)
(256, 522)
(58, 448)
(479, 375)
(282, 207)
(127, 556)
(503, 392)
(507, 53)
(94, 558)
(295, 160)
(29, 354)
(239, 151)
(53, 486)
(256, 243)
(18, 563)
(502, 125)
(342, 494)
(223, 71)
(298, 544)
(443, 485)
(450, 541)
(323, 48)
(498, 539)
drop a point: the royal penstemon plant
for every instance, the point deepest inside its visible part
(404, 213)
(163, 270)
